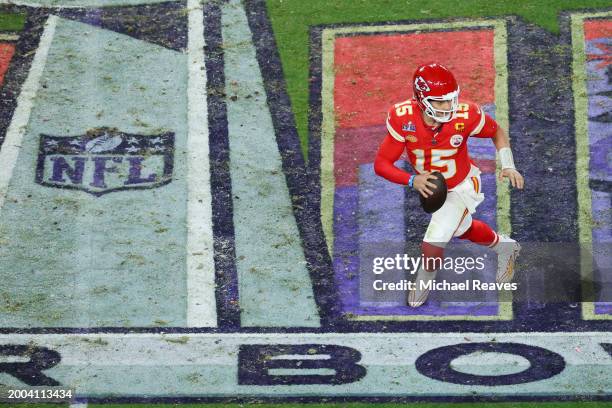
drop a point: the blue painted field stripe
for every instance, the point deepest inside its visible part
(228, 309)
(302, 185)
(274, 282)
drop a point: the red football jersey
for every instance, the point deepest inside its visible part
(444, 149)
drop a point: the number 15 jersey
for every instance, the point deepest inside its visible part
(443, 149)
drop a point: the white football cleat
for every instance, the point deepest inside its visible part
(418, 296)
(507, 251)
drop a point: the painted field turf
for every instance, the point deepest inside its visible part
(162, 238)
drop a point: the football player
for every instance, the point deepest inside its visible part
(433, 128)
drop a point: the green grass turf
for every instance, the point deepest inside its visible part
(12, 21)
(291, 20)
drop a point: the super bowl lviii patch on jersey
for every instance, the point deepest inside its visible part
(409, 127)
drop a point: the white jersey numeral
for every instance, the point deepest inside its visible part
(440, 161)
(403, 107)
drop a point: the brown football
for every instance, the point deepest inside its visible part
(436, 200)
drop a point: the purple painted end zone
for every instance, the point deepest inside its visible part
(373, 214)
(603, 308)
(346, 244)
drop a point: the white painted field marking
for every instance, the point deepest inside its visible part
(25, 102)
(201, 304)
(165, 365)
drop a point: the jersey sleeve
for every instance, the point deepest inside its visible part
(388, 153)
(483, 125)
(394, 126)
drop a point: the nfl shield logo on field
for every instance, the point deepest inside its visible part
(104, 160)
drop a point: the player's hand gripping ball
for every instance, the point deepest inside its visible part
(436, 199)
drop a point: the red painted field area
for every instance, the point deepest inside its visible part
(597, 29)
(375, 71)
(6, 54)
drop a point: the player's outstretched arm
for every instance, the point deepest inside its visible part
(502, 144)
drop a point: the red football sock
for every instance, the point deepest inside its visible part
(432, 256)
(480, 233)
